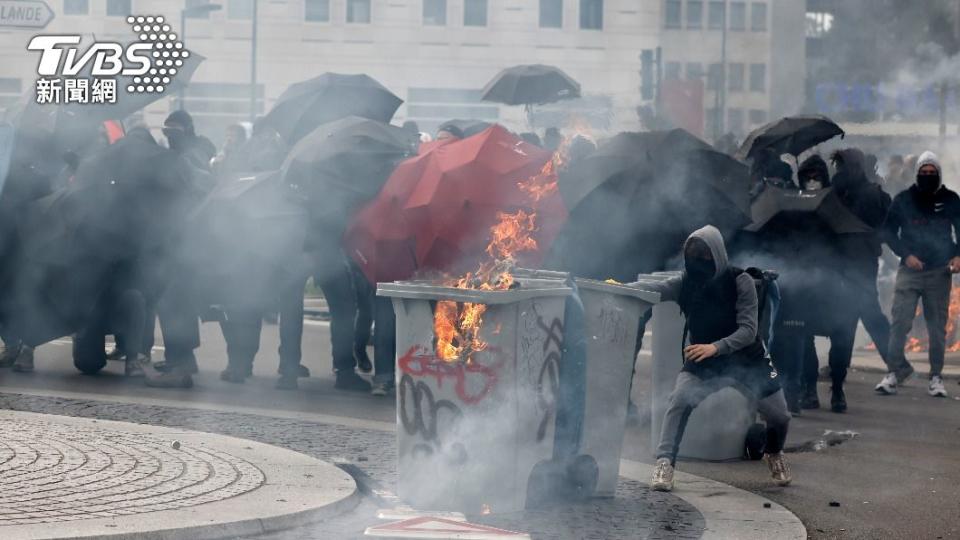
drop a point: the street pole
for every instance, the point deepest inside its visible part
(253, 66)
(181, 95)
(720, 100)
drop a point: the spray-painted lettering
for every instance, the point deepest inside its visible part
(548, 382)
(420, 415)
(420, 362)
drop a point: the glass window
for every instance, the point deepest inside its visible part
(736, 77)
(694, 71)
(240, 9)
(474, 12)
(714, 73)
(358, 11)
(758, 116)
(591, 14)
(119, 8)
(717, 15)
(435, 12)
(738, 16)
(694, 14)
(758, 17)
(758, 77)
(551, 13)
(710, 121)
(672, 70)
(673, 13)
(76, 7)
(316, 10)
(735, 120)
(194, 3)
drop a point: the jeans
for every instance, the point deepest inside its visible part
(291, 326)
(337, 286)
(179, 323)
(365, 298)
(933, 287)
(384, 341)
(691, 390)
(241, 330)
(864, 284)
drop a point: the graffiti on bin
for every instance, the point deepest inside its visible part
(421, 414)
(548, 382)
(467, 377)
(613, 327)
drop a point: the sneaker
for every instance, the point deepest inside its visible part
(9, 355)
(233, 374)
(838, 401)
(303, 371)
(286, 382)
(363, 361)
(190, 366)
(936, 388)
(134, 368)
(115, 354)
(174, 377)
(778, 468)
(888, 386)
(348, 380)
(24, 362)
(662, 476)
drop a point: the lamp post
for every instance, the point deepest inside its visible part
(253, 66)
(192, 11)
(720, 98)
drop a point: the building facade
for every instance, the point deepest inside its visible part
(435, 54)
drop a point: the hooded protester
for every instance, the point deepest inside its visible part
(182, 138)
(721, 309)
(814, 174)
(920, 229)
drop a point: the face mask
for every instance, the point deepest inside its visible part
(813, 185)
(175, 137)
(928, 183)
(700, 269)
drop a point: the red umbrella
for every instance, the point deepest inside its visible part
(463, 191)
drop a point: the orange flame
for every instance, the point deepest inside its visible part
(919, 344)
(457, 325)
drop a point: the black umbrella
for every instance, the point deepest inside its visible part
(331, 96)
(778, 208)
(530, 85)
(343, 164)
(790, 135)
(467, 127)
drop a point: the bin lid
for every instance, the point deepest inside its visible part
(649, 297)
(421, 290)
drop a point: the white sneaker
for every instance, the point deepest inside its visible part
(662, 476)
(936, 388)
(888, 385)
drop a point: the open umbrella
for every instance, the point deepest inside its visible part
(789, 135)
(331, 96)
(469, 128)
(530, 85)
(778, 207)
(343, 164)
(380, 240)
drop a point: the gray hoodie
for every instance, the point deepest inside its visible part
(747, 303)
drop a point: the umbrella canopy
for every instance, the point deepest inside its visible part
(469, 128)
(782, 208)
(381, 241)
(331, 96)
(789, 135)
(343, 164)
(530, 85)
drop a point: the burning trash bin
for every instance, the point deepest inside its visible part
(476, 409)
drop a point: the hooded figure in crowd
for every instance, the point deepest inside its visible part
(725, 350)
(813, 174)
(920, 229)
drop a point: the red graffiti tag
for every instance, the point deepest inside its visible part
(420, 362)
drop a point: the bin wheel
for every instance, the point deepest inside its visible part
(582, 477)
(545, 487)
(89, 360)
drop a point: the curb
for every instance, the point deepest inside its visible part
(729, 513)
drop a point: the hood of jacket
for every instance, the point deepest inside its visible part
(711, 236)
(815, 163)
(928, 158)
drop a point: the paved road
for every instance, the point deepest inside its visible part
(900, 478)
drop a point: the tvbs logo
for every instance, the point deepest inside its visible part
(152, 62)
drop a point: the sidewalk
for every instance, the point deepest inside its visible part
(869, 361)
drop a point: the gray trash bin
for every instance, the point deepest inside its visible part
(718, 427)
(470, 435)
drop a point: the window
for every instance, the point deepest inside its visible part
(714, 73)
(736, 78)
(818, 24)
(735, 120)
(710, 121)
(358, 11)
(551, 13)
(758, 17)
(694, 14)
(76, 7)
(673, 13)
(717, 15)
(316, 10)
(591, 14)
(194, 3)
(758, 117)
(758, 77)
(738, 16)
(240, 9)
(118, 8)
(672, 70)
(435, 12)
(694, 71)
(474, 12)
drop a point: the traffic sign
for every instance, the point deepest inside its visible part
(435, 527)
(25, 14)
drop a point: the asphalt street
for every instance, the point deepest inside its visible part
(898, 478)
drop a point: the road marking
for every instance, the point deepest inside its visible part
(407, 513)
(434, 527)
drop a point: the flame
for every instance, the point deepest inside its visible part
(919, 344)
(457, 325)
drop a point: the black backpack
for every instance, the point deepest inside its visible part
(763, 280)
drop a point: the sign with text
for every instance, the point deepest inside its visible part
(25, 14)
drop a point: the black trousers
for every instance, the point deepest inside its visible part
(338, 288)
